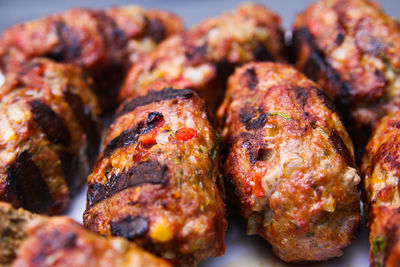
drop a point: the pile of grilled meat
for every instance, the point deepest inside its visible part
(225, 112)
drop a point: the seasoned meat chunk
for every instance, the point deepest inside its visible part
(289, 162)
(380, 172)
(12, 223)
(48, 135)
(203, 57)
(61, 242)
(156, 181)
(351, 49)
(104, 42)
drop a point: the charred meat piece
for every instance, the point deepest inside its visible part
(61, 242)
(381, 171)
(12, 223)
(203, 57)
(27, 239)
(104, 42)
(351, 49)
(49, 135)
(289, 162)
(156, 181)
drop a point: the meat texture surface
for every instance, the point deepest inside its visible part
(156, 181)
(289, 162)
(351, 49)
(61, 242)
(48, 135)
(380, 172)
(203, 57)
(105, 42)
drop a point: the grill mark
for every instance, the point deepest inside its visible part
(145, 172)
(131, 136)
(50, 123)
(261, 53)
(341, 148)
(302, 95)
(27, 184)
(130, 227)
(258, 122)
(246, 114)
(153, 97)
(316, 66)
(70, 166)
(196, 54)
(325, 99)
(84, 117)
(126, 138)
(252, 79)
(68, 48)
(96, 193)
(155, 29)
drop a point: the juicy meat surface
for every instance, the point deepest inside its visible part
(204, 56)
(289, 162)
(48, 135)
(12, 234)
(61, 242)
(351, 48)
(105, 42)
(156, 181)
(380, 172)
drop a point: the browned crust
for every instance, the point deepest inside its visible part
(381, 169)
(105, 42)
(156, 181)
(203, 57)
(290, 162)
(350, 48)
(49, 135)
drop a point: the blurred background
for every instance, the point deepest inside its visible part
(12, 11)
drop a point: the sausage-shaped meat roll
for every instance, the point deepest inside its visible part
(289, 162)
(104, 42)
(61, 242)
(48, 135)
(12, 234)
(381, 171)
(203, 57)
(351, 49)
(157, 180)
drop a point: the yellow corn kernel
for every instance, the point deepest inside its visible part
(161, 231)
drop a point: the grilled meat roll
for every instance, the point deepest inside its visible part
(156, 181)
(289, 162)
(48, 135)
(12, 223)
(380, 171)
(203, 57)
(61, 242)
(104, 42)
(351, 49)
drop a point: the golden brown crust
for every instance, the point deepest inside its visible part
(156, 180)
(104, 42)
(203, 57)
(48, 137)
(290, 162)
(12, 233)
(61, 242)
(380, 170)
(351, 49)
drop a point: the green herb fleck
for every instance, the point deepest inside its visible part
(378, 248)
(214, 151)
(310, 234)
(280, 114)
(200, 150)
